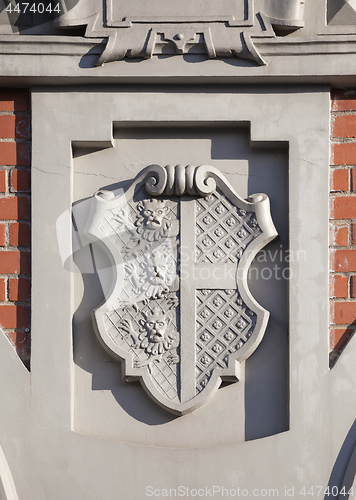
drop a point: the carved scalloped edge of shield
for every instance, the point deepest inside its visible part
(180, 180)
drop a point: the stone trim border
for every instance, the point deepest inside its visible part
(53, 60)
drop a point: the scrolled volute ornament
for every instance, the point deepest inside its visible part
(156, 180)
(205, 179)
(180, 180)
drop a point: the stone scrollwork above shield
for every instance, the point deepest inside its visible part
(180, 316)
(218, 29)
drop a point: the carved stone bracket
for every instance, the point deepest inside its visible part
(217, 41)
(180, 180)
(223, 31)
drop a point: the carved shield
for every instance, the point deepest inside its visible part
(180, 316)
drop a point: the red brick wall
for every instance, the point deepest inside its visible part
(15, 186)
(342, 219)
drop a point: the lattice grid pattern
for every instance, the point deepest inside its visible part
(222, 230)
(224, 325)
(164, 375)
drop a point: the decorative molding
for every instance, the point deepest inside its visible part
(48, 60)
(217, 40)
(32, 45)
(180, 236)
(133, 30)
(251, 36)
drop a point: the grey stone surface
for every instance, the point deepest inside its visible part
(72, 427)
(263, 41)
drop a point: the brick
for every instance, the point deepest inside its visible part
(14, 100)
(15, 127)
(339, 286)
(353, 287)
(343, 100)
(339, 235)
(353, 187)
(8, 316)
(15, 262)
(19, 289)
(19, 234)
(15, 153)
(22, 127)
(344, 126)
(343, 260)
(2, 181)
(2, 289)
(344, 154)
(339, 338)
(20, 180)
(23, 315)
(339, 179)
(7, 126)
(15, 208)
(354, 234)
(343, 207)
(343, 313)
(8, 208)
(12, 316)
(2, 235)
(23, 154)
(7, 153)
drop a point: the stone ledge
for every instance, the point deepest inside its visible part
(48, 60)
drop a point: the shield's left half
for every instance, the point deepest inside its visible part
(139, 322)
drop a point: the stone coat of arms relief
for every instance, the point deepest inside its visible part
(180, 316)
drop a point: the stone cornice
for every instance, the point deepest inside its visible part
(54, 59)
